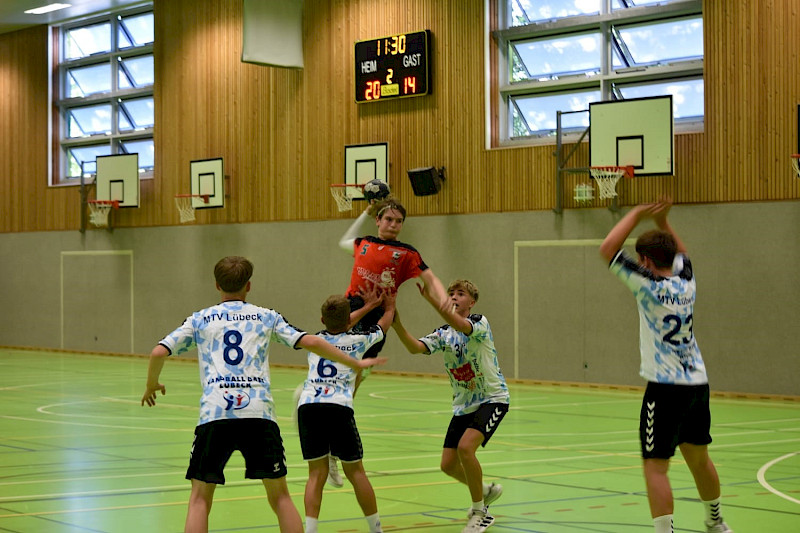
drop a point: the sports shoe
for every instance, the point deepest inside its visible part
(478, 521)
(719, 527)
(490, 495)
(334, 477)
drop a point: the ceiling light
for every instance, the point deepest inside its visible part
(47, 9)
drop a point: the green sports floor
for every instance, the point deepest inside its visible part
(79, 454)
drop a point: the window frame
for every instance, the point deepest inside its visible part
(61, 105)
(503, 89)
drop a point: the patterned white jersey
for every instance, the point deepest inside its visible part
(668, 348)
(471, 364)
(232, 340)
(332, 382)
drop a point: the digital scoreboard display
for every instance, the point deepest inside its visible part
(393, 67)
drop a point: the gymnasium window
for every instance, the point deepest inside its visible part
(561, 55)
(103, 92)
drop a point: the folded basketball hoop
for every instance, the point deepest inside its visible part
(796, 164)
(343, 196)
(186, 207)
(607, 178)
(99, 210)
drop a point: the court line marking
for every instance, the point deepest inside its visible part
(761, 476)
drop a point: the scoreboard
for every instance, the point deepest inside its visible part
(393, 67)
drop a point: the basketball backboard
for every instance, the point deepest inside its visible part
(207, 179)
(636, 132)
(118, 179)
(363, 163)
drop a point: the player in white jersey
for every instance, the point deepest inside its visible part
(236, 409)
(480, 393)
(675, 408)
(325, 418)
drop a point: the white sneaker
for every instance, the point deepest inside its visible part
(491, 494)
(334, 477)
(719, 527)
(478, 521)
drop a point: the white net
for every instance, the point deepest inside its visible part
(98, 213)
(796, 164)
(606, 179)
(343, 201)
(185, 208)
(584, 192)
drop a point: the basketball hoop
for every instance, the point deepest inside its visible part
(796, 164)
(99, 210)
(186, 207)
(607, 178)
(584, 193)
(340, 193)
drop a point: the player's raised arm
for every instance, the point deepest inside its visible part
(348, 240)
(616, 237)
(660, 218)
(412, 344)
(437, 296)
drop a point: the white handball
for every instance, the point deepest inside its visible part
(375, 190)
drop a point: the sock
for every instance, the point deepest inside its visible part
(478, 506)
(374, 521)
(663, 523)
(712, 511)
(311, 525)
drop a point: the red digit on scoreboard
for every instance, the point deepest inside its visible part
(410, 85)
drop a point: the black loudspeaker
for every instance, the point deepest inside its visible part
(426, 181)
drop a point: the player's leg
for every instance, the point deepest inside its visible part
(473, 473)
(259, 441)
(282, 505)
(317, 474)
(362, 487)
(659, 491)
(200, 501)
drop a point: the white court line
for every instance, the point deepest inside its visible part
(43, 421)
(763, 480)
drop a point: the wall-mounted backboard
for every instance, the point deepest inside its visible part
(207, 178)
(636, 132)
(118, 179)
(363, 163)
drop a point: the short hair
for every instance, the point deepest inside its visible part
(336, 313)
(232, 273)
(466, 286)
(379, 208)
(659, 246)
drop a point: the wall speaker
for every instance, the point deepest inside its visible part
(426, 181)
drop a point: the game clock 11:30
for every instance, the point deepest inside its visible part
(392, 67)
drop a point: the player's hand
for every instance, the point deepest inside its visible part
(150, 394)
(661, 209)
(372, 294)
(372, 361)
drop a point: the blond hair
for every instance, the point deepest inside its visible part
(466, 286)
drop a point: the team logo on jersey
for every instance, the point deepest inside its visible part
(235, 400)
(324, 390)
(463, 373)
(387, 278)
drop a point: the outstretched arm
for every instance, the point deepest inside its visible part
(616, 237)
(447, 311)
(349, 237)
(412, 344)
(372, 298)
(386, 320)
(157, 358)
(327, 350)
(435, 289)
(660, 218)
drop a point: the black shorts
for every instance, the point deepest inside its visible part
(328, 428)
(258, 439)
(485, 419)
(366, 322)
(673, 415)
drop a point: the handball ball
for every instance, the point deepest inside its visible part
(376, 190)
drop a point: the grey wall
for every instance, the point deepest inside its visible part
(563, 317)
